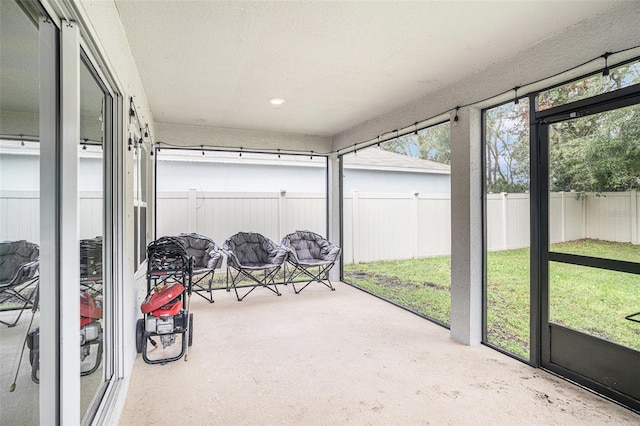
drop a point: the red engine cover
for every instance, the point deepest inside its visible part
(168, 310)
(84, 321)
(90, 306)
(161, 297)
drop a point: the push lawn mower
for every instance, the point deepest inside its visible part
(166, 307)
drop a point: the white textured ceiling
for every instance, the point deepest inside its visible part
(337, 64)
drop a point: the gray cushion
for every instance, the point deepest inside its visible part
(309, 248)
(18, 261)
(205, 252)
(250, 250)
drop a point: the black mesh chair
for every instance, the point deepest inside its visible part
(19, 264)
(311, 257)
(207, 257)
(253, 261)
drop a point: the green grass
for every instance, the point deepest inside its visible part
(586, 299)
(423, 285)
(508, 300)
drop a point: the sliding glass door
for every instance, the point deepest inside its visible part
(58, 221)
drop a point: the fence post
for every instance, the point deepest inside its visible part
(584, 216)
(354, 225)
(635, 239)
(282, 202)
(505, 223)
(415, 235)
(192, 210)
(562, 217)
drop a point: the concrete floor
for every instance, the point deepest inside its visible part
(345, 357)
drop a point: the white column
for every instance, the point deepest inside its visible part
(69, 242)
(466, 227)
(333, 208)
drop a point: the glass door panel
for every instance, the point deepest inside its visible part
(92, 288)
(507, 229)
(593, 251)
(595, 301)
(19, 215)
(594, 177)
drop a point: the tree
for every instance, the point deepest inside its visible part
(435, 143)
(507, 148)
(600, 152)
(432, 143)
(595, 153)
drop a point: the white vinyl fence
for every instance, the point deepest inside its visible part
(608, 216)
(395, 226)
(20, 215)
(376, 226)
(219, 215)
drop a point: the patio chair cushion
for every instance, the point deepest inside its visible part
(253, 250)
(205, 252)
(309, 248)
(18, 261)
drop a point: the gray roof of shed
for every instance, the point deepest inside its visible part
(381, 159)
(372, 158)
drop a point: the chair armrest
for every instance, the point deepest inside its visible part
(215, 259)
(332, 253)
(292, 256)
(278, 255)
(232, 259)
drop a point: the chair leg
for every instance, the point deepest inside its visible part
(266, 281)
(199, 289)
(27, 300)
(322, 276)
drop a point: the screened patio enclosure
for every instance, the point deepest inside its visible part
(514, 225)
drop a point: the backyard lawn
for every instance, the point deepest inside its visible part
(586, 299)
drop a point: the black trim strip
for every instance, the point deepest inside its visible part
(596, 262)
(594, 105)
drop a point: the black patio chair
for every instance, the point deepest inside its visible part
(253, 257)
(311, 257)
(207, 257)
(19, 264)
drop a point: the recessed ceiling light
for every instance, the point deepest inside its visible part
(276, 101)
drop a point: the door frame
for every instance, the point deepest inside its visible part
(564, 359)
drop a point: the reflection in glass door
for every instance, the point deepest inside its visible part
(93, 290)
(19, 215)
(593, 256)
